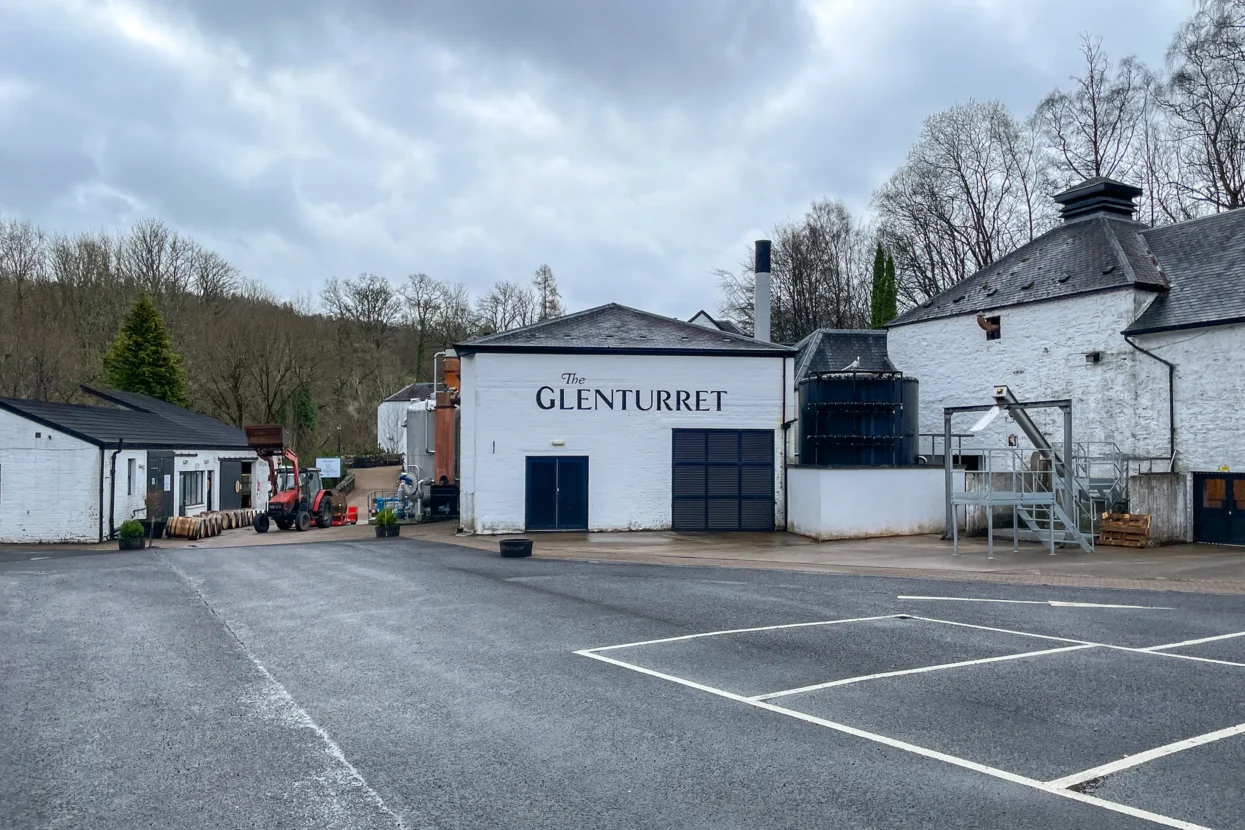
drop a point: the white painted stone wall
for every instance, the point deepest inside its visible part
(205, 460)
(629, 476)
(49, 485)
(1210, 394)
(1041, 356)
(861, 502)
(390, 421)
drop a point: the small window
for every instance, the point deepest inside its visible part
(131, 467)
(1092, 358)
(192, 488)
(994, 328)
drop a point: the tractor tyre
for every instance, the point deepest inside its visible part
(324, 516)
(261, 522)
(285, 524)
(302, 521)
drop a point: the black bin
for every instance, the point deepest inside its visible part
(515, 548)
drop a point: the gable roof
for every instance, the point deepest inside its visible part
(720, 325)
(618, 329)
(412, 392)
(200, 428)
(1099, 252)
(1204, 259)
(834, 350)
(107, 426)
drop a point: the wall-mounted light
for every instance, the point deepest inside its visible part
(559, 443)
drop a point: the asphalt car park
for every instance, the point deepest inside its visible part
(416, 684)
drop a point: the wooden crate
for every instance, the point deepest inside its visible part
(1124, 530)
(266, 436)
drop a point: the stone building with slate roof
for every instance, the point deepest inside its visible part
(617, 419)
(74, 473)
(1142, 328)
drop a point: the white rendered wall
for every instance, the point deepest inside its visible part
(860, 502)
(1210, 394)
(390, 426)
(629, 468)
(49, 486)
(1041, 356)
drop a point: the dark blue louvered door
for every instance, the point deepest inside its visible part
(722, 479)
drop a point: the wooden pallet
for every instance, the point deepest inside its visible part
(1124, 530)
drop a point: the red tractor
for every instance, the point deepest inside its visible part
(297, 497)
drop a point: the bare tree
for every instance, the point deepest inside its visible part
(967, 195)
(1091, 128)
(548, 298)
(456, 320)
(425, 299)
(367, 304)
(818, 276)
(507, 305)
(1205, 100)
(214, 278)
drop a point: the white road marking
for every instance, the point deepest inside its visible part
(1145, 757)
(1124, 809)
(1196, 642)
(739, 631)
(37, 558)
(862, 678)
(1177, 656)
(1010, 631)
(1049, 602)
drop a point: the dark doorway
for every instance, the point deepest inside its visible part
(722, 479)
(1219, 508)
(160, 480)
(230, 485)
(557, 493)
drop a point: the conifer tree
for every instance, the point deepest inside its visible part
(142, 359)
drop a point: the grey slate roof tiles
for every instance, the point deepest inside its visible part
(615, 327)
(834, 350)
(412, 392)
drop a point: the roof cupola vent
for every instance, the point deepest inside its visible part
(1098, 195)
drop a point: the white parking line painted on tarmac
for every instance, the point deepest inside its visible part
(1145, 757)
(923, 669)
(1214, 639)
(1116, 807)
(1054, 603)
(740, 631)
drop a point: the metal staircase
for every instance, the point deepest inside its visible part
(1050, 502)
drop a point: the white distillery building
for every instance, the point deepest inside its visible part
(392, 412)
(618, 419)
(1142, 328)
(74, 473)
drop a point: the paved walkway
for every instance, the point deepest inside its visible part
(1195, 568)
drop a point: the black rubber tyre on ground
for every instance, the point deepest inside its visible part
(324, 516)
(261, 523)
(285, 524)
(302, 521)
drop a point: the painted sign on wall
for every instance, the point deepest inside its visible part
(575, 394)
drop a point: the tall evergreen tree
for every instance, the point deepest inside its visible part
(142, 359)
(878, 295)
(890, 304)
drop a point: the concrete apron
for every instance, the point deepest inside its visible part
(1195, 568)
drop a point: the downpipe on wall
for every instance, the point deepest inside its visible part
(1170, 400)
(112, 491)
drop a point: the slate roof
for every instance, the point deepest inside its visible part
(1095, 253)
(833, 350)
(615, 328)
(106, 426)
(412, 392)
(1204, 259)
(207, 429)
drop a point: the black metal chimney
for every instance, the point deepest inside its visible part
(1098, 195)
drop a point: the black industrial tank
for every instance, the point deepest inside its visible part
(858, 420)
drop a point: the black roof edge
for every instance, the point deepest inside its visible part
(1200, 324)
(103, 395)
(1139, 286)
(776, 350)
(51, 425)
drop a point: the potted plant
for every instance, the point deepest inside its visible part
(131, 535)
(155, 524)
(387, 524)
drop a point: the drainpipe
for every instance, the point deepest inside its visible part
(1171, 400)
(112, 490)
(101, 492)
(786, 426)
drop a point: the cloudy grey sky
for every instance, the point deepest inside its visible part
(634, 145)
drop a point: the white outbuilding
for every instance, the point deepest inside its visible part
(618, 419)
(74, 473)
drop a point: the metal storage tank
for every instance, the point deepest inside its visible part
(859, 420)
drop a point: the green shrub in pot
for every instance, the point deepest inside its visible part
(130, 529)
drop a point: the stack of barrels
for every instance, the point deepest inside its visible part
(208, 524)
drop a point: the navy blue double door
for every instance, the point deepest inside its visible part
(557, 492)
